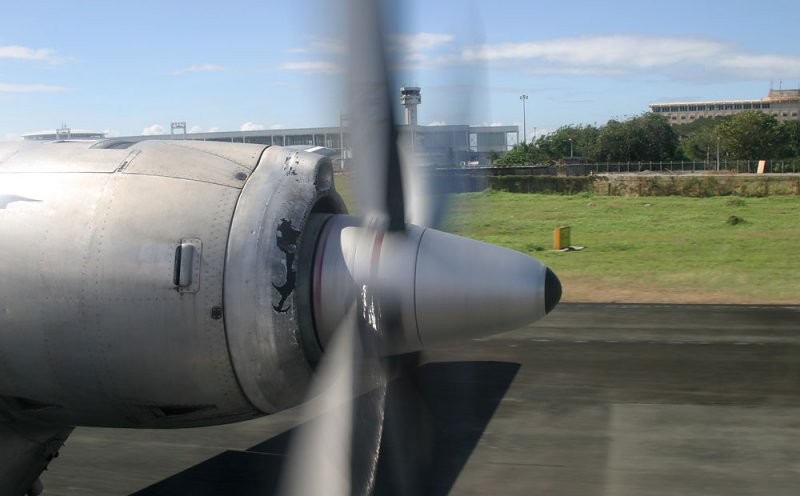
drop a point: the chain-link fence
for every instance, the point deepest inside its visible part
(732, 166)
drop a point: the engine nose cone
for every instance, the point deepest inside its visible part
(432, 288)
(468, 289)
(552, 291)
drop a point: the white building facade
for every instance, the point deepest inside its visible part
(783, 104)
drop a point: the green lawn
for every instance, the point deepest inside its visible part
(647, 249)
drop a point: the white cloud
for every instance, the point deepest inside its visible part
(26, 53)
(153, 130)
(614, 55)
(195, 129)
(420, 41)
(213, 129)
(416, 58)
(437, 123)
(412, 46)
(199, 68)
(13, 137)
(326, 46)
(409, 47)
(764, 64)
(277, 126)
(250, 126)
(111, 133)
(400, 42)
(312, 66)
(628, 50)
(575, 71)
(30, 88)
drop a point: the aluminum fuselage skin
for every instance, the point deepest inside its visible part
(103, 322)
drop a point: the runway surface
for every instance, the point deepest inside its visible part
(593, 400)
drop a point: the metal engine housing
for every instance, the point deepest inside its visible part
(154, 284)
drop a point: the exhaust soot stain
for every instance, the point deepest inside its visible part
(288, 170)
(287, 237)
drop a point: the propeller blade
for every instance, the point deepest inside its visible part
(384, 288)
(407, 444)
(369, 409)
(427, 189)
(343, 419)
(324, 440)
(376, 159)
(424, 195)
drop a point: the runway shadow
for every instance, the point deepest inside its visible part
(434, 419)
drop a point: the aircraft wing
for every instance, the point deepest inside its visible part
(25, 450)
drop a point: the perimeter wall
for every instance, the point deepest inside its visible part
(695, 185)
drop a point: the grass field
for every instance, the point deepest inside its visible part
(647, 249)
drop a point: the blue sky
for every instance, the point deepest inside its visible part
(135, 67)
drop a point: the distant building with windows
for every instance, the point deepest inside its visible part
(442, 146)
(64, 133)
(783, 104)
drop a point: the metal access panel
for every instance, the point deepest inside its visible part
(225, 164)
(58, 156)
(92, 320)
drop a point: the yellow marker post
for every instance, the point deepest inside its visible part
(561, 237)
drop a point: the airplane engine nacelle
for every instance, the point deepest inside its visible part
(156, 283)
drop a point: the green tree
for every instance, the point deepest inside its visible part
(703, 124)
(791, 130)
(754, 135)
(614, 144)
(645, 137)
(580, 140)
(699, 139)
(654, 138)
(521, 154)
(701, 146)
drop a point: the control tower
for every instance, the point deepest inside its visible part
(410, 98)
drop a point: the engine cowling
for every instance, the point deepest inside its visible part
(154, 284)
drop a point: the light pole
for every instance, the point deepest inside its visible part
(524, 120)
(570, 148)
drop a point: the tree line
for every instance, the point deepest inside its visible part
(750, 135)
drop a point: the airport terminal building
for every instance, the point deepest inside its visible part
(64, 133)
(438, 146)
(783, 104)
(435, 146)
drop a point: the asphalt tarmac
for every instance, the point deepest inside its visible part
(593, 400)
